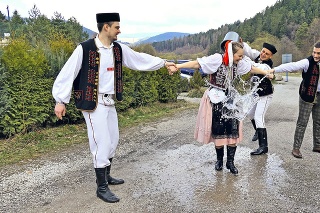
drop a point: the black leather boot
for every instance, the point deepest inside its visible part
(219, 163)
(103, 191)
(231, 151)
(255, 136)
(263, 142)
(111, 180)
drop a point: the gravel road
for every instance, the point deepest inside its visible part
(165, 170)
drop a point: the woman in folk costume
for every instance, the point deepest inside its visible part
(211, 125)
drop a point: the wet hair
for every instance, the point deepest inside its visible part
(100, 25)
(236, 46)
(317, 45)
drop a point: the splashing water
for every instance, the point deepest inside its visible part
(241, 96)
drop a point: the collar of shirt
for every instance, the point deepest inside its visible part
(100, 45)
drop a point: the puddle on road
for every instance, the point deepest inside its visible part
(188, 174)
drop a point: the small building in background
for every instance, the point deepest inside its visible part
(5, 39)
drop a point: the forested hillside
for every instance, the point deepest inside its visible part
(292, 25)
(38, 47)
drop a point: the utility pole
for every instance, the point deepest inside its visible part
(8, 12)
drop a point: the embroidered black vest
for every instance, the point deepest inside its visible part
(266, 87)
(218, 78)
(85, 86)
(309, 84)
(118, 77)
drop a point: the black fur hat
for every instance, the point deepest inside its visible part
(270, 47)
(107, 17)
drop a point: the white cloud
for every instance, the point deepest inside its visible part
(147, 17)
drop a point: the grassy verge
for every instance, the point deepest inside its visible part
(22, 148)
(293, 74)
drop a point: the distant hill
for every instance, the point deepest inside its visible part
(157, 38)
(162, 37)
(90, 32)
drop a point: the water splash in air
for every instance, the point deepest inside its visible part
(241, 96)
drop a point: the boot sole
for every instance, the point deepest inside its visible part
(113, 183)
(108, 201)
(262, 153)
(231, 171)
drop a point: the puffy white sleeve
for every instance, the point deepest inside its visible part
(262, 66)
(210, 64)
(140, 61)
(251, 53)
(62, 87)
(293, 66)
(245, 65)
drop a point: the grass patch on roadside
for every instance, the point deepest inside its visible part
(292, 74)
(284, 77)
(24, 147)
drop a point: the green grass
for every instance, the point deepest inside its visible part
(294, 74)
(24, 147)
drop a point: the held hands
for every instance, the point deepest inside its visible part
(171, 67)
(60, 110)
(270, 74)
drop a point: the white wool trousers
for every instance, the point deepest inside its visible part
(103, 131)
(259, 110)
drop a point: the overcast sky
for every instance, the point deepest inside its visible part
(143, 18)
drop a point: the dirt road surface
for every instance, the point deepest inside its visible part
(166, 170)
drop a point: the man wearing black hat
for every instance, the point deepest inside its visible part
(265, 92)
(94, 71)
(309, 98)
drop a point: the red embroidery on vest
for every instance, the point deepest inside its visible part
(78, 94)
(117, 53)
(219, 77)
(89, 93)
(92, 58)
(313, 81)
(311, 91)
(315, 70)
(91, 76)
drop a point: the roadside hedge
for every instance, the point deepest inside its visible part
(26, 102)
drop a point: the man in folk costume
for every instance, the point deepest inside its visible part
(309, 101)
(94, 71)
(265, 92)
